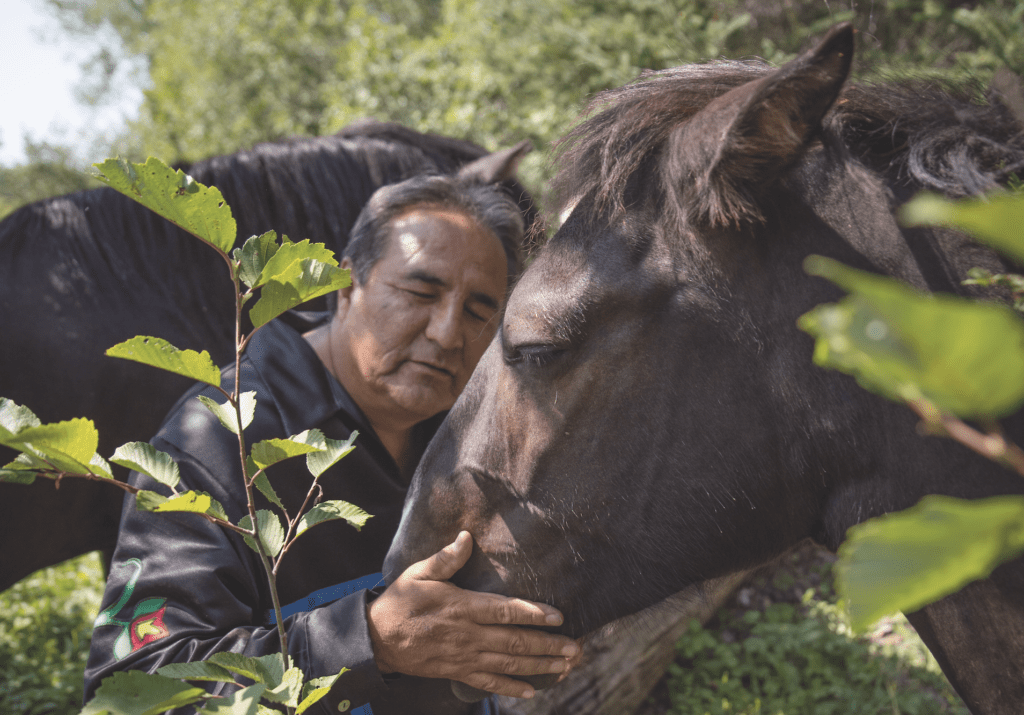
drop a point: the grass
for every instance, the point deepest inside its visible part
(783, 647)
(45, 630)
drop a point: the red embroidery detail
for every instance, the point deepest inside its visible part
(147, 628)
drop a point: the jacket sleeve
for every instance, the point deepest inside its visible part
(181, 589)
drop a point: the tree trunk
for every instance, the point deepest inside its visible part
(625, 660)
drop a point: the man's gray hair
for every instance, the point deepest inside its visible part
(487, 204)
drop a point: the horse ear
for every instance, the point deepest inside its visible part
(500, 165)
(719, 160)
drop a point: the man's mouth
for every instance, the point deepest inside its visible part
(435, 368)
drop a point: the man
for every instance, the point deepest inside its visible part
(431, 261)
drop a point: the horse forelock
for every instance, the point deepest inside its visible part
(941, 137)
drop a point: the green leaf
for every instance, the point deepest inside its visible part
(198, 209)
(146, 500)
(284, 292)
(191, 502)
(965, 356)
(242, 702)
(225, 413)
(17, 476)
(69, 445)
(266, 669)
(997, 219)
(136, 693)
(333, 450)
(287, 692)
(197, 670)
(253, 256)
(14, 418)
(285, 265)
(159, 353)
(329, 511)
(316, 688)
(100, 467)
(908, 559)
(271, 531)
(263, 484)
(76, 438)
(272, 451)
(148, 460)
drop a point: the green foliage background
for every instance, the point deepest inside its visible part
(493, 71)
(44, 638)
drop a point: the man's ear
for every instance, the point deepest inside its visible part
(344, 295)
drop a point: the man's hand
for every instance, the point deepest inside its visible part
(423, 625)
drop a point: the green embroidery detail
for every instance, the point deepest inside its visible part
(107, 617)
(148, 630)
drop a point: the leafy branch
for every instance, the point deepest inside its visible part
(951, 360)
(284, 274)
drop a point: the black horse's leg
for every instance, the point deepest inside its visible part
(977, 636)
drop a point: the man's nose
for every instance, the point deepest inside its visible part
(445, 326)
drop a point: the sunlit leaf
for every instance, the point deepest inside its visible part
(197, 670)
(908, 559)
(159, 353)
(198, 209)
(242, 702)
(272, 451)
(14, 418)
(99, 466)
(965, 356)
(253, 256)
(329, 511)
(315, 689)
(191, 502)
(70, 445)
(148, 460)
(76, 438)
(285, 265)
(136, 693)
(312, 279)
(146, 500)
(225, 413)
(287, 692)
(333, 450)
(271, 531)
(267, 669)
(997, 219)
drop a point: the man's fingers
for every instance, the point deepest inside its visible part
(504, 664)
(446, 562)
(500, 685)
(490, 608)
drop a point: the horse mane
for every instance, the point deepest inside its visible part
(938, 137)
(311, 187)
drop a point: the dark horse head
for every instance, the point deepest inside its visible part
(83, 272)
(648, 416)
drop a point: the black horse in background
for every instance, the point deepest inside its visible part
(648, 416)
(83, 272)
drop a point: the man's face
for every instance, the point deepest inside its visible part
(411, 335)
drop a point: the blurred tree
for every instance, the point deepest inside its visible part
(48, 171)
(227, 73)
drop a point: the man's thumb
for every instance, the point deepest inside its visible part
(446, 562)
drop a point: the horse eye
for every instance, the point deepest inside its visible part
(537, 355)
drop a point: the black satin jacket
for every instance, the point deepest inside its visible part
(181, 588)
